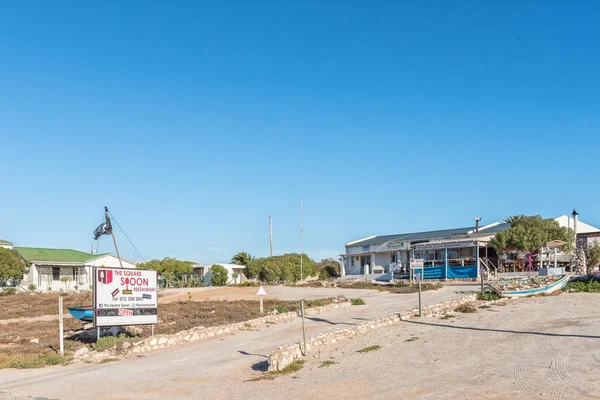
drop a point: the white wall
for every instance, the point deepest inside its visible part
(109, 261)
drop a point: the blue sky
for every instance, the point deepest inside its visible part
(193, 121)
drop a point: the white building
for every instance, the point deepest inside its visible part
(63, 269)
(204, 271)
(5, 244)
(448, 253)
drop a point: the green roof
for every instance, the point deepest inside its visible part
(32, 254)
(5, 242)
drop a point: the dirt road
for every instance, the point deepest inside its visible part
(187, 370)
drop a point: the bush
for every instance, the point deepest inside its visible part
(465, 308)
(284, 268)
(31, 287)
(357, 302)
(219, 275)
(8, 291)
(110, 342)
(282, 309)
(488, 296)
(590, 285)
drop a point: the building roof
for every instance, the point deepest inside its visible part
(431, 235)
(582, 227)
(33, 254)
(5, 242)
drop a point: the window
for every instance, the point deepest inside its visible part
(393, 257)
(56, 273)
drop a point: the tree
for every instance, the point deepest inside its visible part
(284, 268)
(169, 268)
(328, 268)
(593, 257)
(511, 219)
(242, 258)
(526, 233)
(219, 275)
(12, 265)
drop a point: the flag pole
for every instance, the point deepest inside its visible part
(301, 274)
(113, 236)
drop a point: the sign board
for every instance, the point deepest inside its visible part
(125, 297)
(450, 245)
(393, 246)
(416, 264)
(261, 291)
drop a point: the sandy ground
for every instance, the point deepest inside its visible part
(249, 293)
(546, 348)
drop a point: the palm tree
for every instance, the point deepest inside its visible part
(513, 218)
(242, 258)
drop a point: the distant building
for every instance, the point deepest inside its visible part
(49, 266)
(204, 271)
(448, 253)
(5, 244)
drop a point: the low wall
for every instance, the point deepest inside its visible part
(285, 355)
(199, 333)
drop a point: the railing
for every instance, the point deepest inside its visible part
(487, 267)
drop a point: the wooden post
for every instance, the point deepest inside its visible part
(61, 326)
(261, 305)
(303, 328)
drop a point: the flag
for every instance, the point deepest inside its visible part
(104, 228)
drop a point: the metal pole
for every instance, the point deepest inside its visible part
(301, 274)
(113, 237)
(261, 304)
(97, 333)
(420, 279)
(303, 328)
(271, 236)
(152, 330)
(481, 273)
(61, 326)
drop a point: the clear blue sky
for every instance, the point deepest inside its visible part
(193, 121)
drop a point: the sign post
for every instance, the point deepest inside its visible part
(261, 292)
(418, 276)
(303, 328)
(481, 273)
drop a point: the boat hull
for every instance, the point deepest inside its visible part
(85, 314)
(558, 285)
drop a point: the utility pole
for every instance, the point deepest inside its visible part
(271, 235)
(301, 238)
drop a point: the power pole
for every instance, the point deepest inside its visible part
(301, 238)
(271, 235)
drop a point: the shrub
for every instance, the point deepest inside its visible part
(369, 349)
(282, 309)
(357, 302)
(31, 287)
(590, 285)
(488, 296)
(284, 268)
(218, 275)
(465, 308)
(110, 342)
(8, 291)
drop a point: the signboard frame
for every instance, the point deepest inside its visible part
(122, 316)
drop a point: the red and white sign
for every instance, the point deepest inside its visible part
(125, 297)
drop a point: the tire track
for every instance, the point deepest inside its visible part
(558, 366)
(519, 376)
(596, 358)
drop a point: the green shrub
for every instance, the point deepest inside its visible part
(8, 291)
(219, 275)
(357, 302)
(590, 285)
(110, 342)
(284, 268)
(316, 303)
(369, 349)
(488, 295)
(282, 309)
(31, 287)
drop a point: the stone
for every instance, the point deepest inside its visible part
(126, 345)
(34, 340)
(195, 337)
(81, 353)
(172, 341)
(162, 340)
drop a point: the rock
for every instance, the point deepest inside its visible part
(81, 353)
(172, 341)
(162, 340)
(34, 340)
(126, 345)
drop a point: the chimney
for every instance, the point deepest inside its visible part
(477, 219)
(575, 215)
(92, 248)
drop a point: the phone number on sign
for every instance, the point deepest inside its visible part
(129, 298)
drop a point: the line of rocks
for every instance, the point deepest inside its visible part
(285, 355)
(196, 333)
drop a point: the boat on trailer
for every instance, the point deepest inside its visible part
(530, 286)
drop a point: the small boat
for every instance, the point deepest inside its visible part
(506, 288)
(85, 313)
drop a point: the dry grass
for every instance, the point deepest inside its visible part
(466, 308)
(400, 287)
(369, 349)
(30, 305)
(269, 376)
